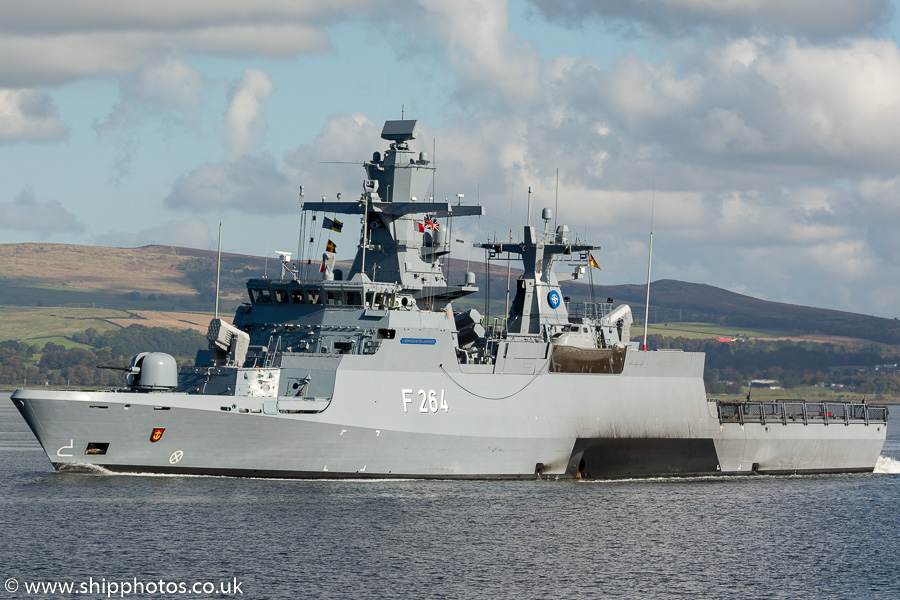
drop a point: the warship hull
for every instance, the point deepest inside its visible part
(326, 377)
(651, 420)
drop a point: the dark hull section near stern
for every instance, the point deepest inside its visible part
(607, 458)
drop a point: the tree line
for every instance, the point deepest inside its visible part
(22, 364)
(730, 365)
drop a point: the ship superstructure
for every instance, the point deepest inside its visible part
(377, 375)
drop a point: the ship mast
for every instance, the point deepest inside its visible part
(398, 237)
(365, 224)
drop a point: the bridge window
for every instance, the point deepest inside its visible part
(297, 296)
(260, 296)
(281, 296)
(334, 297)
(354, 297)
(315, 296)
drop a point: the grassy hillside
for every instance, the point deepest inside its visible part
(171, 279)
(151, 277)
(40, 325)
(37, 326)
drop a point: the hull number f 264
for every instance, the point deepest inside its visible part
(430, 401)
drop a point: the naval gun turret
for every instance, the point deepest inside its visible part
(152, 372)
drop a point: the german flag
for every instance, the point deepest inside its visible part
(593, 262)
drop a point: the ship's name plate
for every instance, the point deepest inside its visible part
(419, 341)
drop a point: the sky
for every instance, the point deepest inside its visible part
(759, 139)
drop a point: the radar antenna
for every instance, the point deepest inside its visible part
(285, 262)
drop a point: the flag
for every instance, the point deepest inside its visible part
(593, 262)
(330, 247)
(334, 225)
(428, 224)
(327, 266)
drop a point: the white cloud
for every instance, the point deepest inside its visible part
(881, 196)
(724, 130)
(469, 40)
(169, 91)
(771, 116)
(841, 101)
(61, 16)
(26, 212)
(245, 124)
(815, 18)
(253, 184)
(849, 261)
(482, 49)
(58, 41)
(782, 111)
(247, 183)
(344, 143)
(29, 116)
(170, 84)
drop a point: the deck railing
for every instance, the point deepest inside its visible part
(785, 412)
(588, 310)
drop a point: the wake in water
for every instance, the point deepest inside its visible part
(84, 468)
(886, 464)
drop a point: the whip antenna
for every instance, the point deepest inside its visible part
(649, 263)
(219, 250)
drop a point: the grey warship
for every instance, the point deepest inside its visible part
(376, 375)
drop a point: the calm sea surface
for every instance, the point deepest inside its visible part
(748, 537)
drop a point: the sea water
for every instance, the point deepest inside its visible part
(834, 536)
